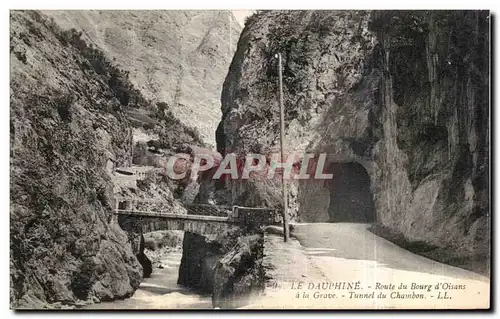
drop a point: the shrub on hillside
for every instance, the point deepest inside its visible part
(171, 131)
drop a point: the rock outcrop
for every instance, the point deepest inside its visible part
(177, 57)
(403, 95)
(239, 275)
(229, 267)
(65, 245)
(147, 265)
(199, 256)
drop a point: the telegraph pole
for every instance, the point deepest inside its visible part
(286, 230)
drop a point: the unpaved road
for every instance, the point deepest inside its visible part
(161, 291)
(356, 242)
(349, 254)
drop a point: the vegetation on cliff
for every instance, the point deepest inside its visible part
(228, 267)
(403, 94)
(70, 126)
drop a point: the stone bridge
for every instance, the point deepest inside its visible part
(142, 216)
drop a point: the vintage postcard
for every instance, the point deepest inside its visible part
(249, 159)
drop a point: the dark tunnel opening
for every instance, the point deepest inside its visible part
(351, 198)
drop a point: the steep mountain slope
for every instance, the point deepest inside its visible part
(64, 246)
(401, 97)
(177, 57)
(68, 132)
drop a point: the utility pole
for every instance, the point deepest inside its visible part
(286, 230)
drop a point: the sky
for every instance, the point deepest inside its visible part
(241, 14)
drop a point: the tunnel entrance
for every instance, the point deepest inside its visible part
(351, 199)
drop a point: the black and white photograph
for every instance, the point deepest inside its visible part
(249, 159)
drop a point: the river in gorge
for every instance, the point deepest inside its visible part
(160, 291)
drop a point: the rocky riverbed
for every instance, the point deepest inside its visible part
(160, 289)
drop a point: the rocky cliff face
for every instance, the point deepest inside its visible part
(177, 57)
(228, 266)
(398, 101)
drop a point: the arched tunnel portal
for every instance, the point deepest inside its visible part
(351, 199)
(347, 197)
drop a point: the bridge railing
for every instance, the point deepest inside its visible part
(257, 215)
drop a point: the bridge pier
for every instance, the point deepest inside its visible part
(136, 224)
